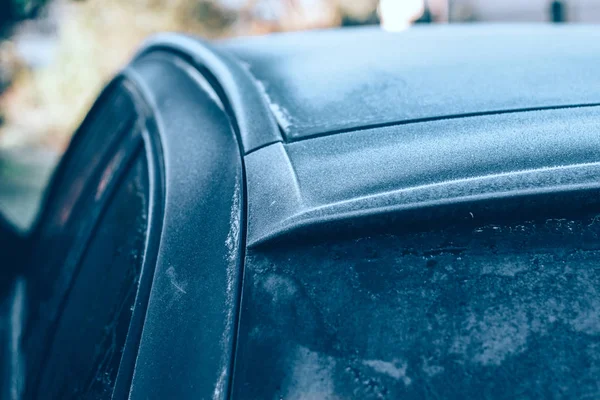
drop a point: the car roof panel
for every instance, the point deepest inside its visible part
(324, 82)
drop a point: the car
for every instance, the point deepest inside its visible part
(326, 215)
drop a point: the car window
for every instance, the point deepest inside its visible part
(86, 346)
(510, 309)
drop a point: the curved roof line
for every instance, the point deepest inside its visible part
(237, 89)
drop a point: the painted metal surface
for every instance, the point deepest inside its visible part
(324, 82)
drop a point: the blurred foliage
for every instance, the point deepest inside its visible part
(12, 11)
(86, 41)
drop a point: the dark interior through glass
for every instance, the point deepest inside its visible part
(505, 309)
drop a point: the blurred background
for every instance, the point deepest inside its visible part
(56, 55)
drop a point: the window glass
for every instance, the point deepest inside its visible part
(86, 348)
(509, 310)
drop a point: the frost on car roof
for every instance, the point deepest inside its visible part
(330, 81)
(404, 168)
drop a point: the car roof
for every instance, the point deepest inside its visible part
(416, 120)
(400, 124)
(331, 81)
